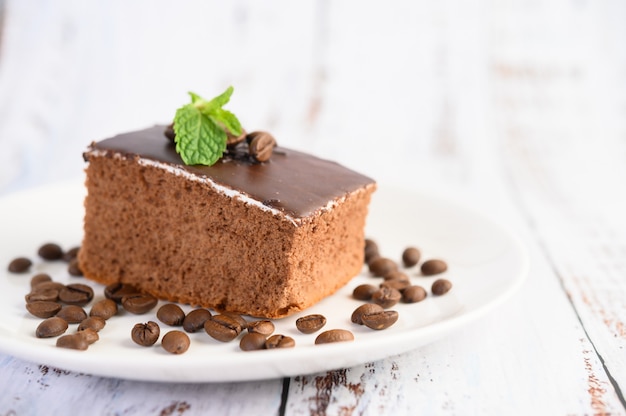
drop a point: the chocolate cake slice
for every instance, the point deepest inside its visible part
(263, 239)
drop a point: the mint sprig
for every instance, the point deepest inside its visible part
(201, 126)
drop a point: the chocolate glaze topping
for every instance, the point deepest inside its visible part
(291, 181)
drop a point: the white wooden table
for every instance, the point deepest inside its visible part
(516, 109)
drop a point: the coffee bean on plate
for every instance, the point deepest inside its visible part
(39, 278)
(194, 321)
(411, 256)
(310, 323)
(380, 266)
(73, 341)
(364, 292)
(50, 295)
(43, 309)
(50, 251)
(139, 303)
(145, 334)
(73, 268)
(434, 266)
(334, 335)
(73, 314)
(89, 334)
(70, 254)
(51, 327)
(171, 314)
(413, 294)
(397, 284)
(223, 327)
(371, 250)
(117, 291)
(76, 294)
(104, 308)
(252, 341)
(175, 342)
(92, 322)
(380, 320)
(441, 287)
(279, 341)
(386, 297)
(20, 265)
(397, 275)
(240, 319)
(365, 309)
(263, 327)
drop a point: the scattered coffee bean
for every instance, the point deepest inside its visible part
(252, 341)
(396, 284)
(39, 278)
(73, 268)
(43, 309)
(104, 308)
(365, 309)
(380, 320)
(310, 323)
(380, 266)
(50, 251)
(170, 133)
(371, 250)
(73, 314)
(435, 266)
(240, 319)
(51, 327)
(48, 285)
(49, 295)
(73, 341)
(386, 297)
(20, 265)
(76, 294)
(261, 145)
(145, 334)
(441, 287)
(397, 275)
(334, 335)
(70, 254)
(171, 314)
(117, 291)
(139, 303)
(175, 342)
(364, 292)
(222, 328)
(411, 256)
(93, 322)
(413, 294)
(279, 341)
(90, 335)
(263, 327)
(194, 321)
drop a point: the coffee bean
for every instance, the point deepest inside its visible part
(222, 328)
(261, 145)
(76, 294)
(397, 275)
(73, 314)
(51, 327)
(39, 278)
(73, 268)
(371, 250)
(70, 254)
(90, 335)
(380, 320)
(396, 284)
(310, 323)
(435, 266)
(194, 321)
(441, 287)
(48, 285)
(171, 314)
(413, 294)
(175, 342)
(263, 327)
(364, 292)
(43, 309)
(104, 308)
(145, 334)
(380, 266)
(50, 251)
(117, 291)
(365, 309)
(386, 297)
(93, 322)
(73, 341)
(240, 319)
(252, 341)
(279, 341)
(232, 140)
(49, 295)
(334, 335)
(170, 133)
(20, 265)
(411, 256)
(139, 303)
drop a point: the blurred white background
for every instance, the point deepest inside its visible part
(403, 91)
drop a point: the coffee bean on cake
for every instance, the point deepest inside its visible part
(261, 145)
(145, 334)
(50, 251)
(20, 265)
(433, 266)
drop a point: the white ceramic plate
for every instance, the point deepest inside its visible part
(486, 265)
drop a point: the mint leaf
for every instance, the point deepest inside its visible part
(200, 129)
